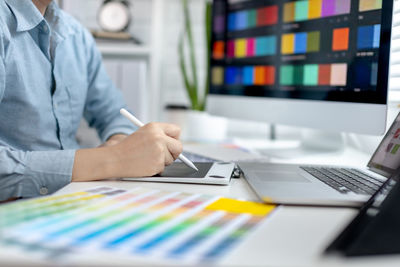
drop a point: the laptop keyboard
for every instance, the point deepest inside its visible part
(345, 179)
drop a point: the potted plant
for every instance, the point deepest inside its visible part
(198, 125)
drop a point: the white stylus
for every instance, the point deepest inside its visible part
(138, 123)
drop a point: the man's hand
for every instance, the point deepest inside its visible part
(143, 153)
(114, 139)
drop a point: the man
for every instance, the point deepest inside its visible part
(51, 75)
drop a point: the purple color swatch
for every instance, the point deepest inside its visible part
(328, 8)
(219, 24)
(342, 7)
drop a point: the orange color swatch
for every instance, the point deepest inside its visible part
(340, 39)
(218, 50)
(264, 75)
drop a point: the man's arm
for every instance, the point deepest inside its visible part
(144, 153)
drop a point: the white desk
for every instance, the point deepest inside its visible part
(291, 236)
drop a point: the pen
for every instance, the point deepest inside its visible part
(138, 123)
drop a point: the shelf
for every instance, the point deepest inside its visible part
(123, 49)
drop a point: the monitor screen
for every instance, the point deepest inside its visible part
(333, 50)
(386, 159)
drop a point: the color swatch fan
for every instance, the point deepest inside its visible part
(141, 224)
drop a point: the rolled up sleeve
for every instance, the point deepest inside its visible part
(104, 100)
(2, 78)
(29, 174)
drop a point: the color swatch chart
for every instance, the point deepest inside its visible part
(140, 223)
(252, 47)
(243, 75)
(300, 43)
(314, 74)
(368, 37)
(313, 9)
(250, 18)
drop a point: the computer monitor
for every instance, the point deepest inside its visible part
(312, 63)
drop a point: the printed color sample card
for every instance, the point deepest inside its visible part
(139, 223)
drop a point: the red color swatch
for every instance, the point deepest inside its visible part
(267, 15)
(324, 74)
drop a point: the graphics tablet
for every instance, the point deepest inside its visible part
(209, 173)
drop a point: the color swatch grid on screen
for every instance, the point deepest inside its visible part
(246, 19)
(314, 75)
(252, 47)
(314, 9)
(249, 75)
(141, 223)
(367, 5)
(368, 37)
(299, 43)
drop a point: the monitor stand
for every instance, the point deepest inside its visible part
(311, 143)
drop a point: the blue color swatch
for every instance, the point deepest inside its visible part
(368, 37)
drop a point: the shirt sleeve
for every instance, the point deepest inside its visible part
(2, 78)
(29, 174)
(104, 100)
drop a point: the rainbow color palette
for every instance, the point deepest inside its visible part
(252, 47)
(314, 75)
(300, 43)
(314, 9)
(251, 18)
(140, 224)
(249, 75)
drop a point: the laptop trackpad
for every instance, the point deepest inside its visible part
(279, 176)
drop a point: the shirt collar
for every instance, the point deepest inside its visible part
(26, 14)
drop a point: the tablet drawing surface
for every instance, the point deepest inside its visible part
(180, 170)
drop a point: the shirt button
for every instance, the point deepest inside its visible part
(45, 28)
(55, 105)
(43, 190)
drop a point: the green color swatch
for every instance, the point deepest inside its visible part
(313, 40)
(311, 74)
(287, 75)
(301, 10)
(251, 18)
(298, 75)
(395, 149)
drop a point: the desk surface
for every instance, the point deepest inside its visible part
(291, 236)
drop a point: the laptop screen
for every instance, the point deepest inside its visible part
(386, 158)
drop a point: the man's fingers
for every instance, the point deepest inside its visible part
(169, 129)
(174, 147)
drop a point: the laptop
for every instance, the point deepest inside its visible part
(326, 185)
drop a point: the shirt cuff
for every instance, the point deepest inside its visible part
(47, 171)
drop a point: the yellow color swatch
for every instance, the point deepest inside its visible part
(314, 9)
(287, 43)
(240, 47)
(239, 206)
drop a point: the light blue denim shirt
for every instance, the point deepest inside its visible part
(51, 74)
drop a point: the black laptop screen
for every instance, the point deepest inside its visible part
(386, 158)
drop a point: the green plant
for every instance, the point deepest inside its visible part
(189, 71)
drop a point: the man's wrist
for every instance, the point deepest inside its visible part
(95, 164)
